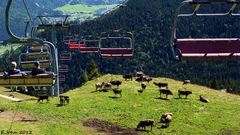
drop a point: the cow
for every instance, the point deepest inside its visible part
(143, 123)
(165, 91)
(128, 76)
(160, 85)
(186, 93)
(43, 97)
(116, 82)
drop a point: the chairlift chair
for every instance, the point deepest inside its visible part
(66, 56)
(76, 45)
(205, 48)
(68, 39)
(63, 69)
(62, 78)
(90, 44)
(21, 80)
(49, 79)
(119, 51)
(36, 52)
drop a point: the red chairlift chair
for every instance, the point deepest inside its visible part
(116, 51)
(205, 48)
(63, 69)
(89, 46)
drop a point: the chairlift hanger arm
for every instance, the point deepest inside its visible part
(14, 38)
(7, 19)
(26, 27)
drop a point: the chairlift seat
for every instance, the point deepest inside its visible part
(37, 54)
(20, 80)
(38, 49)
(30, 64)
(88, 49)
(63, 69)
(62, 78)
(65, 57)
(116, 52)
(89, 46)
(76, 45)
(208, 49)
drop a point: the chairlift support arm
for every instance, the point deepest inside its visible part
(14, 38)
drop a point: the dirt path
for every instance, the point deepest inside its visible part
(108, 127)
(11, 98)
(16, 116)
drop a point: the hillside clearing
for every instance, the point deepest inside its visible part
(190, 116)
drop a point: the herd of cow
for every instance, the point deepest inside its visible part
(163, 89)
(140, 77)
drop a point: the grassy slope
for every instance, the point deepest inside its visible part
(83, 8)
(189, 115)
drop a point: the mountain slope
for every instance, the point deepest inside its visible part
(190, 116)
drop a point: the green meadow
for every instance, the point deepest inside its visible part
(190, 116)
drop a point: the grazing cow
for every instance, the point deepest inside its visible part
(98, 85)
(140, 74)
(142, 124)
(203, 99)
(140, 91)
(139, 79)
(166, 119)
(43, 97)
(128, 76)
(143, 86)
(160, 85)
(186, 82)
(147, 79)
(106, 85)
(117, 91)
(64, 99)
(165, 91)
(186, 93)
(116, 82)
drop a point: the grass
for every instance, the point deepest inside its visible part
(190, 116)
(83, 8)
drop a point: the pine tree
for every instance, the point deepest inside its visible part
(92, 70)
(84, 77)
